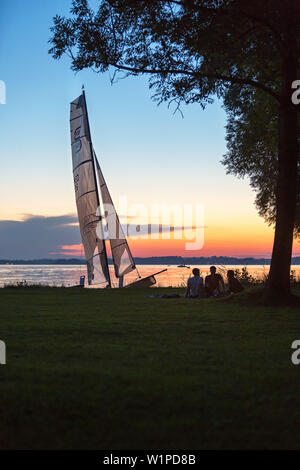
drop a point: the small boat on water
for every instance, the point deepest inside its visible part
(98, 219)
(183, 266)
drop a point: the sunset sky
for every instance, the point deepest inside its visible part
(147, 154)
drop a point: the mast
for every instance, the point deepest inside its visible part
(94, 174)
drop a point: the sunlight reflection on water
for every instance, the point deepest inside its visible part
(68, 275)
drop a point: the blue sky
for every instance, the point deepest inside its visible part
(146, 152)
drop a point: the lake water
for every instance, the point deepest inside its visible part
(68, 275)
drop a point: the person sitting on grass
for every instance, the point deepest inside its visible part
(195, 286)
(214, 284)
(234, 285)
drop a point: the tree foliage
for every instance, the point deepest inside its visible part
(191, 49)
(252, 143)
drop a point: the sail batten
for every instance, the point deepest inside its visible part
(86, 195)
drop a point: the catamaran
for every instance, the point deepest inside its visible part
(97, 216)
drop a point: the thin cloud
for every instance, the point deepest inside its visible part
(37, 236)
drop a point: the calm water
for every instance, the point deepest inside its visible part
(68, 275)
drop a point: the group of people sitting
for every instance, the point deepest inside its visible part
(213, 286)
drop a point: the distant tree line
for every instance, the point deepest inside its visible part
(165, 260)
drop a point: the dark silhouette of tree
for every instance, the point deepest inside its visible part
(193, 50)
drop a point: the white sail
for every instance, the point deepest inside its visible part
(121, 254)
(86, 193)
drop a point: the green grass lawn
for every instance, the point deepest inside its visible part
(101, 369)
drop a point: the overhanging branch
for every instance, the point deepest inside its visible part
(224, 78)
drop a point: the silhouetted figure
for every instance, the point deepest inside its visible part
(234, 284)
(213, 283)
(195, 285)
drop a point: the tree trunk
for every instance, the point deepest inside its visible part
(286, 198)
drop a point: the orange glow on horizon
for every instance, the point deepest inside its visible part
(71, 250)
(72, 247)
(240, 240)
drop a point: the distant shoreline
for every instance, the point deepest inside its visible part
(156, 260)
